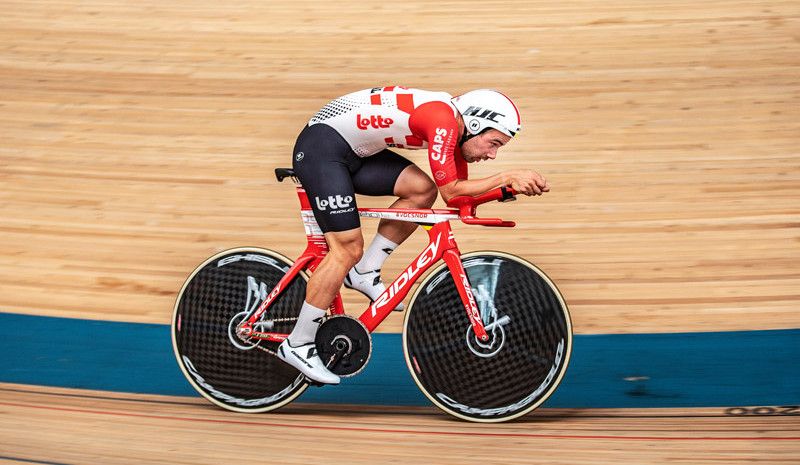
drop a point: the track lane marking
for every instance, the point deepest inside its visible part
(405, 431)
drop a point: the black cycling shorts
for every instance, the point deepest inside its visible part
(332, 174)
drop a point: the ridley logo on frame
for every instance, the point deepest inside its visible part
(408, 275)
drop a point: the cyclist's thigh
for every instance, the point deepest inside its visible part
(323, 161)
(378, 173)
(413, 182)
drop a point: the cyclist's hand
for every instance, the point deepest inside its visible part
(528, 182)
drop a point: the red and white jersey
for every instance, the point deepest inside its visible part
(371, 120)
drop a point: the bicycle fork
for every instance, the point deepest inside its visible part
(453, 259)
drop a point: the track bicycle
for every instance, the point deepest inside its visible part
(487, 336)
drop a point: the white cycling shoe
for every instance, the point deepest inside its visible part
(305, 358)
(368, 283)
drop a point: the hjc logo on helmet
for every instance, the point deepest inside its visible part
(374, 121)
(486, 114)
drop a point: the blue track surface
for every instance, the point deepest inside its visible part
(630, 370)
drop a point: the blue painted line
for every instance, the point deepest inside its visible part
(721, 369)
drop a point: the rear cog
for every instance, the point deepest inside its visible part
(344, 344)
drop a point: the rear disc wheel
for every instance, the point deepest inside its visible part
(232, 373)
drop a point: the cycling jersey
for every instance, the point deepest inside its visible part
(372, 120)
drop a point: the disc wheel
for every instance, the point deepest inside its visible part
(529, 346)
(235, 374)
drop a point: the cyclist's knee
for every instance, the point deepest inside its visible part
(346, 246)
(424, 193)
(427, 197)
(354, 251)
(416, 187)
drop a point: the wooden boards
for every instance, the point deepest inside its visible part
(45, 425)
(140, 138)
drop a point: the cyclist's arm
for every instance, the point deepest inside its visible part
(523, 181)
(435, 123)
(472, 186)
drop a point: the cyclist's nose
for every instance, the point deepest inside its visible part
(492, 154)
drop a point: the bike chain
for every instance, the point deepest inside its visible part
(274, 353)
(269, 351)
(283, 320)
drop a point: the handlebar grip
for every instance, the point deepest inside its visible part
(509, 194)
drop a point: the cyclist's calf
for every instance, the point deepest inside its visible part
(345, 250)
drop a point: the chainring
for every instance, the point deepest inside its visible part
(344, 344)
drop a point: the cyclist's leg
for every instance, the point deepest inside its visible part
(415, 189)
(345, 249)
(387, 173)
(325, 170)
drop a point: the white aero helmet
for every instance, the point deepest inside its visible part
(485, 108)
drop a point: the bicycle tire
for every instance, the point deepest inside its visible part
(240, 378)
(521, 365)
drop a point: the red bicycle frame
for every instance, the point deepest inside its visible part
(441, 245)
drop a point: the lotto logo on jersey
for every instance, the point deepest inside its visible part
(334, 203)
(375, 121)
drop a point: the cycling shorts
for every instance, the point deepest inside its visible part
(332, 174)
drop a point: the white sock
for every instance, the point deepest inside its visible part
(377, 253)
(307, 324)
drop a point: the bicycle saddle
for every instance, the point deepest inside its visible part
(283, 173)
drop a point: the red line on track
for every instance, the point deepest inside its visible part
(402, 431)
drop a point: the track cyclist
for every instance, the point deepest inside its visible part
(344, 150)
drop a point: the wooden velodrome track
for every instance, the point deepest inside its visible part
(75, 427)
(138, 138)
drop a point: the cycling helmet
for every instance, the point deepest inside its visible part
(485, 108)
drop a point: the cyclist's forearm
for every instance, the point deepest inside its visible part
(472, 186)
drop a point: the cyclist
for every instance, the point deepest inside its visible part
(344, 150)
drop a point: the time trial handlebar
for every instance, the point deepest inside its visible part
(467, 205)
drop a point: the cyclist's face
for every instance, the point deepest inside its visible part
(484, 146)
